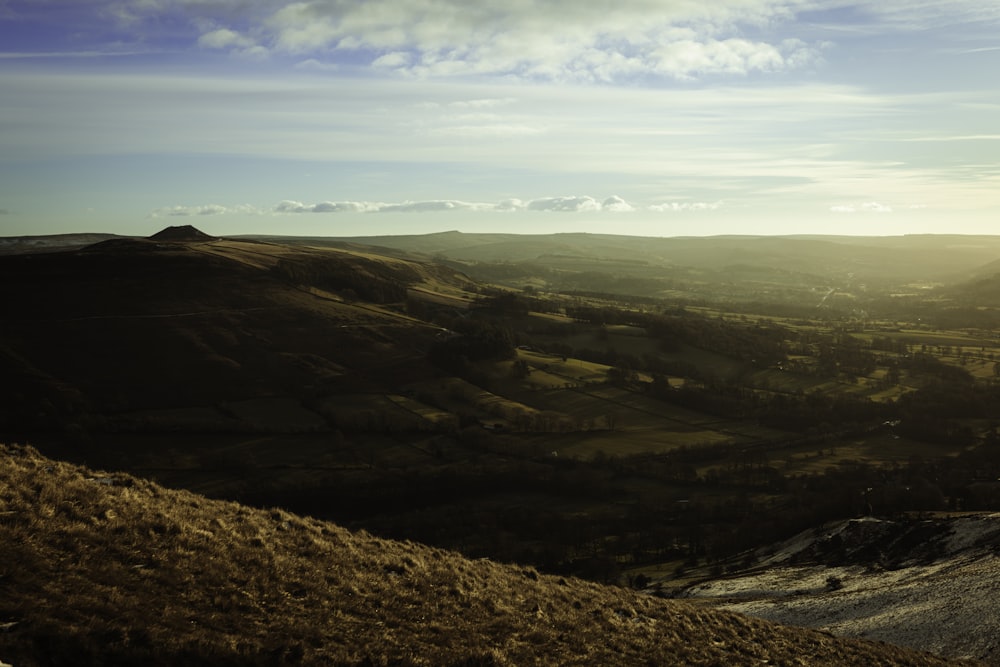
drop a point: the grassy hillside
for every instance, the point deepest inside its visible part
(929, 583)
(102, 569)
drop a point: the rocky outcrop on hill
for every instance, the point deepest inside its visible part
(181, 233)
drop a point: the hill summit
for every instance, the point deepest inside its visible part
(181, 233)
(105, 568)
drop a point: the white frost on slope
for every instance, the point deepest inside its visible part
(947, 606)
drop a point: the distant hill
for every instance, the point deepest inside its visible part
(102, 569)
(181, 233)
(982, 290)
(900, 258)
(20, 245)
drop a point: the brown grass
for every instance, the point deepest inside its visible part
(111, 569)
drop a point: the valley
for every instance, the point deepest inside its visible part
(648, 413)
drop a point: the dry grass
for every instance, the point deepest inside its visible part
(104, 569)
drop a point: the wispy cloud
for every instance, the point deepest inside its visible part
(234, 42)
(564, 204)
(867, 207)
(685, 206)
(290, 206)
(927, 14)
(203, 210)
(767, 142)
(561, 204)
(30, 55)
(956, 137)
(573, 204)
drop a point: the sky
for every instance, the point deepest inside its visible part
(365, 117)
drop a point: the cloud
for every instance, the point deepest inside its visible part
(612, 204)
(564, 204)
(431, 206)
(311, 64)
(549, 39)
(289, 206)
(393, 60)
(482, 128)
(434, 206)
(801, 144)
(687, 59)
(957, 137)
(510, 205)
(616, 204)
(237, 44)
(867, 207)
(672, 207)
(545, 39)
(926, 14)
(224, 38)
(875, 207)
(205, 209)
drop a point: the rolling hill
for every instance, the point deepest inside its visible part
(17, 245)
(773, 275)
(127, 325)
(102, 569)
(884, 259)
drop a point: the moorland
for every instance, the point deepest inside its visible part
(647, 413)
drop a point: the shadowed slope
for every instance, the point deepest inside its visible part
(131, 324)
(104, 569)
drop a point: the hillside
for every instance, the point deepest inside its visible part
(847, 276)
(930, 584)
(128, 325)
(105, 569)
(19, 245)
